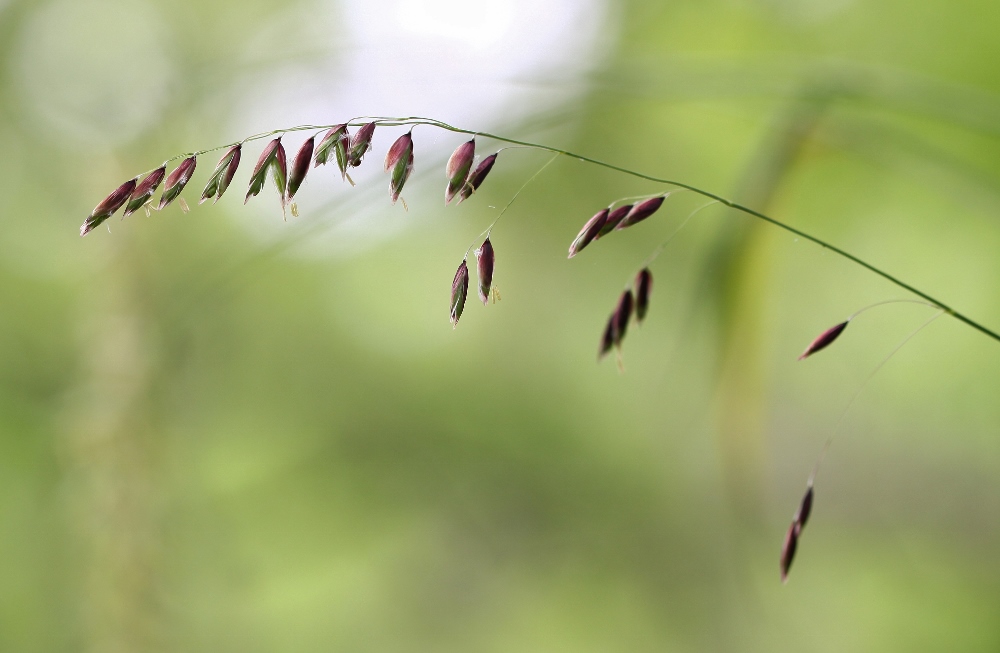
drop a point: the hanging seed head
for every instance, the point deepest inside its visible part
(108, 206)
(643, 287)
(144, 191)
(614, 218)
(342, 152)
(399, 152)
(227, 177)
(223, 174)
(588, 233)
(360, 144)
(300, 166)
(477, 176)
(641, 211)
(279, 170)
(267, 157)
(177, 180)
(485, 260)
(459, 290)
(802, 515)
(623, 313)
(399, 162)
(328, 143)
(399, 176)
(788, 549)
(823, 340)
(607, 339)
(458, 168)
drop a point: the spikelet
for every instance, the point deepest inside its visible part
(223, 174)
(457, 170)
(300, 167)
(176, 181)
(108, 206)
(641, 211)
(459, 291)
(588, 232)
(144, 191)
(824, 340)
(485, 260)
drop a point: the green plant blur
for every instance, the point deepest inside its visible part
(213, 441)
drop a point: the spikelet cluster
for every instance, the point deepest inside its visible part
(336, 144)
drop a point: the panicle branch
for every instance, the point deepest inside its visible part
(464, 176)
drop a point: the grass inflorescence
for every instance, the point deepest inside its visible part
(464, 176)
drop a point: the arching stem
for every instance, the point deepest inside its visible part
(417, 120)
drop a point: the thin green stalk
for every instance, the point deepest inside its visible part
(417, 120)
(662, 246)
(857, 393)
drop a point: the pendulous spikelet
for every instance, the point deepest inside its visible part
(223, 174)
(607, 338)
(144, 191)
(108, 206)
(360, 144)
(457, 170)
(398, 152)
(485, 260)
(328, 144)
(641, 211)
(399, 163)
(279, 171)
(623, 313)
(824, 340)
(788, 550)
(264, 163)
(643, 287)
(614, 219)
(477, 176)
(300, 167)
(459, 291)
(795, 531)
(588, 232)
(176, 181)
(805, 508)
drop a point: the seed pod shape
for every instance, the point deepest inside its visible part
(360, 144)
(459, 291)
(805, 508)
(824, 340)
(267, 157)
(300, 167)
(108, 206)
(176, 181)
(279, 171)
(485, 260)
(588, 232)
(458, 168)
(641, 211)
(399, 162)
(328, 143)
(223, 174)
(399, 151)
(623, 313)
(607, 338)
(643, 287)
(788, 549)
(144, 191)
(614, 219)
(477, 176)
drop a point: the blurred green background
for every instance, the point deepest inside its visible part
(224, 432)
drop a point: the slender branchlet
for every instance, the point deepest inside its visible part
(805, 507)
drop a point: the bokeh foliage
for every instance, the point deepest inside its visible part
(212, 442)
